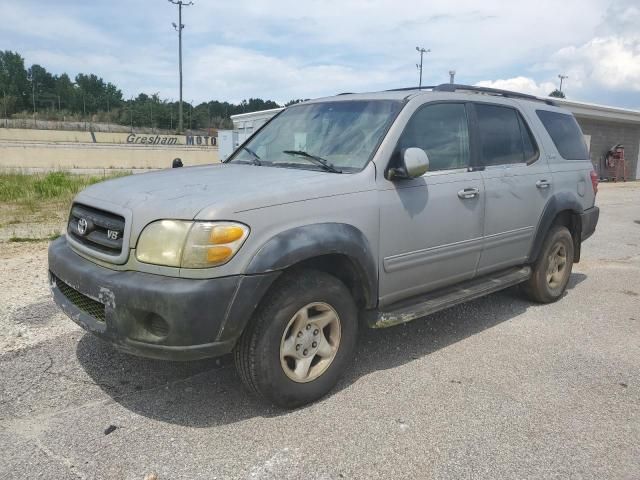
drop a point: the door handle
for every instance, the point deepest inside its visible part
(468, 193)
(543, 184)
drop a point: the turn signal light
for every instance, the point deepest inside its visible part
(218, 254)
(225, 234)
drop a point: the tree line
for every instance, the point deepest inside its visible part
(35, 92)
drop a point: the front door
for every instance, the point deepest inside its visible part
(431, 226)
(517, 182)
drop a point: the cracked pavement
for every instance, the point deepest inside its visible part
(496, 388)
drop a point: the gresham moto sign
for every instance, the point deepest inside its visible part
(196, 140)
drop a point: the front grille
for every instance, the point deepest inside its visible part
(88, 305)
(97, 229)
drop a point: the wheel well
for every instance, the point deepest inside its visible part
(343, 268)
(572, 221)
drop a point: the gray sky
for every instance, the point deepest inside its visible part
(284, 49)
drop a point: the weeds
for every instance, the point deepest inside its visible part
(42, 200)
(50, 238)
(26, 189)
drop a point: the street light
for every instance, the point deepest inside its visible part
(422, 52)
(562, 77)
(179, 27)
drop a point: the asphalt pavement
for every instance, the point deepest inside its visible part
(496, 388)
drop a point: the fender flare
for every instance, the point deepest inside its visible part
(309, 241)
(559, 202)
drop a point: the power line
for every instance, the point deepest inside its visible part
(179, 27)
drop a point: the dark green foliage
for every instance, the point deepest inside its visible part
(90, 98)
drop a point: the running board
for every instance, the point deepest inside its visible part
(417, 307)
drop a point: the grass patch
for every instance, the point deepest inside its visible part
(50, 238)
(27, 189)
(41, 199)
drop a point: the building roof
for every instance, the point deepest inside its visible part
(599, 112)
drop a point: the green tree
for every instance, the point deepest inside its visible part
(557, 94)
(14, 86)
(65, 92)
(293, 102)
(45, 86)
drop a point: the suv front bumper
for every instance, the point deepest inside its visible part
(153, 315)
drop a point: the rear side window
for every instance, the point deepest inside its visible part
(503, 136)
(441, 130)
(565, 133)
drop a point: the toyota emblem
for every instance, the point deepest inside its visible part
(82, 226)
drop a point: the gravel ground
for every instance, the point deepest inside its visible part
(496, 388)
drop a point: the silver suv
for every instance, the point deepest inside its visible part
(361, 209)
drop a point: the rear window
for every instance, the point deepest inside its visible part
(504, 137)
(565, 133)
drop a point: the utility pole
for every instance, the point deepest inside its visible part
(4, 102)
(178, 28)
(422, 52)
(562, 77)
(32, 78)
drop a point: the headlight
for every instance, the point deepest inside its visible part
(177, 243)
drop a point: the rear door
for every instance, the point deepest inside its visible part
(517, 182)
(431, 226)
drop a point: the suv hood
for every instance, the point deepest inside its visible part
(183, 193)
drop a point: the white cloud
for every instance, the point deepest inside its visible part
(236, 73)
(282, 49)
(609, 62)
(606, 64)
(520, 84)
(52, 24)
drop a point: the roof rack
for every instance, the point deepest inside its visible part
(406, 89)
(453, 87)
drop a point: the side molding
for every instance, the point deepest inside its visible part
(559, 202)
(310, 241)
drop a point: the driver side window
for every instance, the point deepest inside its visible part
(442, 131)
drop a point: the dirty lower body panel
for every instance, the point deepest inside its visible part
(423, 305)
(152, 315)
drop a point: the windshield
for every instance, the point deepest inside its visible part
(343, 134)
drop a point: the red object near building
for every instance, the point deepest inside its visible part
(615, 167)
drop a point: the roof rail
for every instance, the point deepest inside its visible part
(452, 87)
(405, 89)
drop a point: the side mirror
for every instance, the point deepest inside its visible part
(415, 162)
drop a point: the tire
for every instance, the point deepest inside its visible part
(552, 269)
(277, 346)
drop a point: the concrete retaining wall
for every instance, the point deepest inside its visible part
(59, 149)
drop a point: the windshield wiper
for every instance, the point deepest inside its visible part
(256, 158)
(319, 160)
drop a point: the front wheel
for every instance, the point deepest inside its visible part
(300, 340)
(552, 270)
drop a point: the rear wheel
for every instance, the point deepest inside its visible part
(300, 340)
(552, 270)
